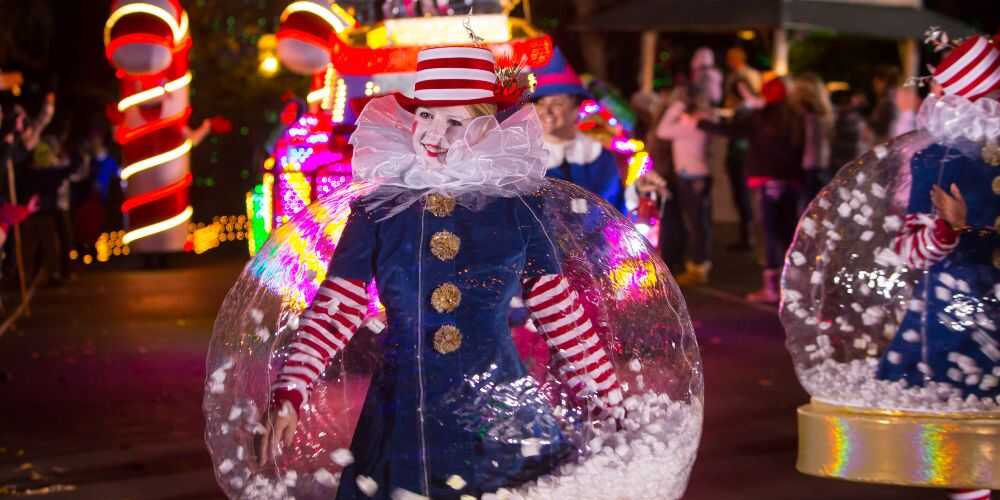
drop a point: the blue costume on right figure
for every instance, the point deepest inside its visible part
(949, 333)
(963, 271)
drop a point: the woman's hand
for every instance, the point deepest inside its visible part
(651, 182)
(952, 208)
(278, 430)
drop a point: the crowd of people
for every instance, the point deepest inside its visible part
(778, 140)
(65, 178)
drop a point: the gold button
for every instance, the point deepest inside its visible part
(447, 339)
(439, 205)
(996, 185)
(444, 245)
(991, 155)
(446, 298)
(996, 258)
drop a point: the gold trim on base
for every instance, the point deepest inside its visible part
(899, 448)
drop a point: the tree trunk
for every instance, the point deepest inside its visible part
(592, 43)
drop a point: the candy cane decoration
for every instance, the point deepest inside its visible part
(148, 43)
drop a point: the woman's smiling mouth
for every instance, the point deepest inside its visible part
(433, 151)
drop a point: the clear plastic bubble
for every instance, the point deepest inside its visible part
(491, 417)
(868, 324)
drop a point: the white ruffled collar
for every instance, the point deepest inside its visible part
(581, 150)
(493, 159)
(953, 118)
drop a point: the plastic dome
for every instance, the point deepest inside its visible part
(873, 321)
(515, 430)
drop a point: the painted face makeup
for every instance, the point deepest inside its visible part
(435, 129)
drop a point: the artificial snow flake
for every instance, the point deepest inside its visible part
(531, 447)
(263, 334)
(578, 205)
(226, 466)
(455, 482)
(257, 316)
(635, 365)
(375, 325)
(881, 151)
(325, 478)
(867, 235)
(367, 485)
(797, 258)
(342, 457)
(808, 226)
(401, 494)
(911, 336)
(844, 209)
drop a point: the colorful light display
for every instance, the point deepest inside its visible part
(148, 43)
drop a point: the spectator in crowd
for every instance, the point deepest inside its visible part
(573, 156)
(740, 73)
(49, 175)
(705, 76)
(907, 102)
(848, 131)
(774, 168)
(885, 83)
(690, 217)
(812, 100)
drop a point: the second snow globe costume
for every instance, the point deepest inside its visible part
(891, 296)
(452, 218)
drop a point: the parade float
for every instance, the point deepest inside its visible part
(350, 63)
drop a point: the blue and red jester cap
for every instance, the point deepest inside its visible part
(558, 78)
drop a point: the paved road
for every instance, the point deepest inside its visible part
(102, 387)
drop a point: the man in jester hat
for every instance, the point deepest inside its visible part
(573, 156)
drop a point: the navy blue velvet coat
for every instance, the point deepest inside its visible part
(430, 415)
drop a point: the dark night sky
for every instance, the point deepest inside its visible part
(59, 42)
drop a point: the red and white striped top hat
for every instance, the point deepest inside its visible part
(455, 76)
(971, 70)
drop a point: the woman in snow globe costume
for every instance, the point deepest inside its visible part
(454, 220)
(891, 295)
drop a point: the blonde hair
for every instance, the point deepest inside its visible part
(482, 109)
(812, 96)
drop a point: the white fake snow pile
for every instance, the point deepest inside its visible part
(650, 459)
(854, 384)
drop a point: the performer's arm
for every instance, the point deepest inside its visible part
(324, 330)
(924, 240)
(582, 363)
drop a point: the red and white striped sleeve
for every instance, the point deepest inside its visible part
(924, 240)
(581, 361)
(324, 330)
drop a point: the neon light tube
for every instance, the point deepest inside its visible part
(179, 30)
(154, 161)
(155, 92)
(158, 227)
(335, 22)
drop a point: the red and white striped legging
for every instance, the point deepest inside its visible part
(340, 304)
